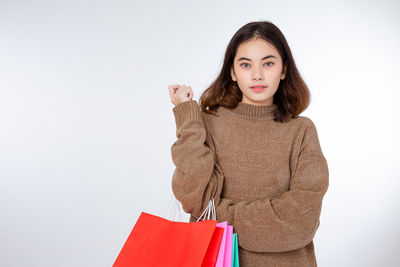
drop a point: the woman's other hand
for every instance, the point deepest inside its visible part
(180, 93)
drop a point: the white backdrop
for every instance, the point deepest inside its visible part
(87, 124)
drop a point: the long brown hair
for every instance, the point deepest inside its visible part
(292, 96)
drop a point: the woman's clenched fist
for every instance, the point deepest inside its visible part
(180, 93)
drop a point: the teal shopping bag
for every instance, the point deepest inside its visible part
(235, 251)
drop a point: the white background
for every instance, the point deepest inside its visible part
(87, 123)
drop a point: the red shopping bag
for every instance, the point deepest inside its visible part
(211, 256)
(155, 241)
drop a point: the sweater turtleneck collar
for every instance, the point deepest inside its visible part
(255, 111)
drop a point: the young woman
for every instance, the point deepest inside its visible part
(246, 146)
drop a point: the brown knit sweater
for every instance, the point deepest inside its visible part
(268, 178)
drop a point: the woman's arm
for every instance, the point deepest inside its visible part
(196, 178)
(289, 222)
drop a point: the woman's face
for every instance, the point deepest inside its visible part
(257, 62)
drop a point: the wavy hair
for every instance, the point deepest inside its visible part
(292, 96)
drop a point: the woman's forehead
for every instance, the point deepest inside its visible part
(257, 49)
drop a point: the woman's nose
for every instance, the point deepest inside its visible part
(257, 74)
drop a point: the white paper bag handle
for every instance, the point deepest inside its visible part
(174, 209)
(209, 211)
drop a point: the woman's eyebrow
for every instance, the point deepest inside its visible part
(245, 58)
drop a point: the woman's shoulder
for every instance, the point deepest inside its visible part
(303, 120)
(299, 125)
(305, 126)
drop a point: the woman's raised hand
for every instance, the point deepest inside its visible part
(180, 93)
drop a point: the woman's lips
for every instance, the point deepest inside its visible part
(258, 88)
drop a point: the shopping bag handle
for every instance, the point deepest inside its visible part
(209, 210)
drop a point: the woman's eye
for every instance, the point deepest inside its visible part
(243, 64)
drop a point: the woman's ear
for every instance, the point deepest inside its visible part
(283, 72)
(233, 76)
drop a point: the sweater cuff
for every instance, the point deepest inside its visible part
(188, 110)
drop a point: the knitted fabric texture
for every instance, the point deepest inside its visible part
(267, 178)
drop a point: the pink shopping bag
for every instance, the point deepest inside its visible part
(228, 247)
(220, 259)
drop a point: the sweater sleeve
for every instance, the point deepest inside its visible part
(196, 178)
(291, 221)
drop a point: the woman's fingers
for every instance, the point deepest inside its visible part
(191, 94)
(180, 93)
(172, 89)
